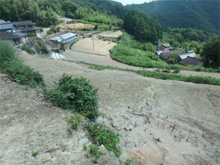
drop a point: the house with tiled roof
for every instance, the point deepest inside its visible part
(191, 61)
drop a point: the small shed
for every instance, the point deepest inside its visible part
(64, 38)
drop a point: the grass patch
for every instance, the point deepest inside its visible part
(15, 69)
(27, 49)
(141, 54)
(160, 75)
(7, 52)
(193, 79)
(100, 134)
(75, 94)
(22, 74)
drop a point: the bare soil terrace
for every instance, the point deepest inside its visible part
(160, 122)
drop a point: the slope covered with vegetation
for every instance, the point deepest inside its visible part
(202, 15)
(45, 12)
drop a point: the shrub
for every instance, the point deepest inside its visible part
(101, 135)
(41, 29)
(94, 152)
(176, 71)
(75, 94)
(43, 47)
(128, 161)
(7, 52)
(22, 74)
(27, 49)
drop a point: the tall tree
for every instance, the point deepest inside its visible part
(211, 53)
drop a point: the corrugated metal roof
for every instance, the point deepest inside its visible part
(6, 26)
(63, 37)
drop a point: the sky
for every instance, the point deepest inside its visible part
(125, 2)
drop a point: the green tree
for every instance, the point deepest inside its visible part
(211, 53)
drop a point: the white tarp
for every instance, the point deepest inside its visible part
(57, 56)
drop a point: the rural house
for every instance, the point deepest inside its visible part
(166, 55)
(191, 61)
(164, 47)
(190, 53)
(7, 27)
(25, 27)
(9, 32)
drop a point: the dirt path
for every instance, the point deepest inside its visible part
(160, 122)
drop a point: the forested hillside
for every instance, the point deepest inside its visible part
(142, 27)
(45, 12)
(203, 15)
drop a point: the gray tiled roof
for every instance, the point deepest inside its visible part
(178, 52)
(2, 21)
(9, 36)
(6, 26)
(23, 23)
(191, 61)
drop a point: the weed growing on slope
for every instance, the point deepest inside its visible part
(22, 74)
(34, 154)
(27, 49)
(75, 94)
(100, 134)
(7, 52)
(15, 69)
(94, 152)
(74, 122)
(128, 161)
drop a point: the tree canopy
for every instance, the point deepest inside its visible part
(141, 26)
(45, 12)
(203, 15)
(211, 53)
